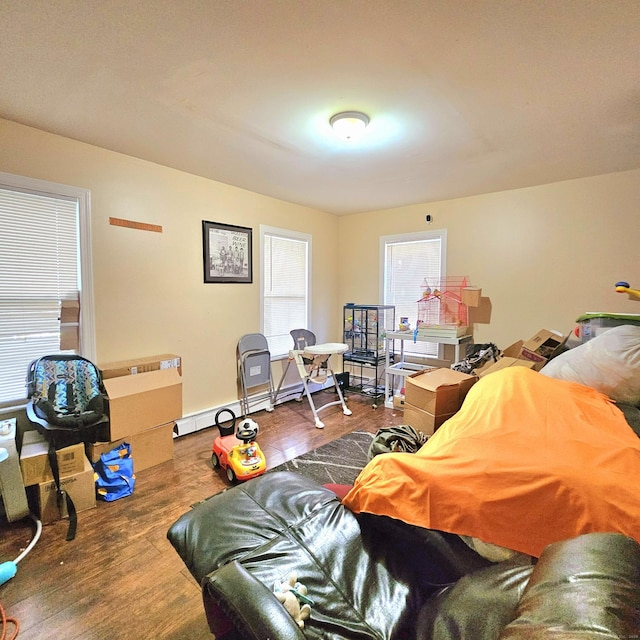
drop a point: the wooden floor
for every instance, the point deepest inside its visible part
(120, 578)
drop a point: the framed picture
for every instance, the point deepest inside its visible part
(227, 254)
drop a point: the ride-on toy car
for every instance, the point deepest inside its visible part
(238, 452)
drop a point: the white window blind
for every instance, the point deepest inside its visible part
(408, 260)
(285, 286)
(39, 258)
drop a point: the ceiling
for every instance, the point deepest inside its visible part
(464, 96)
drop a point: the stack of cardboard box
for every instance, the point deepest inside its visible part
(76, 477)
(144, 401)
(434, 395)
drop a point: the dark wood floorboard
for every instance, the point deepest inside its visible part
(120, 578)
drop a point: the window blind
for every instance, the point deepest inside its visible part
(407, 263)
(39, 257)
(285, 275)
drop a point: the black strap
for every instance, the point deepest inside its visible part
(71, 402)
(51, 392)
(61, 495)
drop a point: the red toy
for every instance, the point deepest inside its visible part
(238, 452)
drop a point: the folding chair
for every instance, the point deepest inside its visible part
(254, 370)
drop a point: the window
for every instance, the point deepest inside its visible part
(45, 271)
(408, 260)
(285, 288)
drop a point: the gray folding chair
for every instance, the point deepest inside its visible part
(254, 371)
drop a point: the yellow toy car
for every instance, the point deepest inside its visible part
(239, 453)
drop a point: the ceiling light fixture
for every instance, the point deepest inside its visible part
(349, 125)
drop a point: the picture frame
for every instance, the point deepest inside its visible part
(227, 253)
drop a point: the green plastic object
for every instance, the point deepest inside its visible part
(633, 318)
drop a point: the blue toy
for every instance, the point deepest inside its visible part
(623, 287)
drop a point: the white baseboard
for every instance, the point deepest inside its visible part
(207, 418)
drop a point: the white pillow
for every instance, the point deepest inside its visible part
(610, 363)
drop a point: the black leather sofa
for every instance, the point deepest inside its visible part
(374, 578)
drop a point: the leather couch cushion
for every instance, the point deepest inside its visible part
(586, 587)
(478, 606)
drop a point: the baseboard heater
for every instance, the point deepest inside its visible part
(207, 418)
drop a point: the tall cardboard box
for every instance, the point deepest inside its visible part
(80, 486)
(69, 324)
(140, 365)
(148, 448)
(437, 391)
(139, 402)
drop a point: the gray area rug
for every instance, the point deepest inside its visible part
(338, 462)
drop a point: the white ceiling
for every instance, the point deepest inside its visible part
(464, 96)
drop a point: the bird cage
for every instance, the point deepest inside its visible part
(441, 303)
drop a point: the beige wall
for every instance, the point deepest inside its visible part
(148, 287)
(542, 255)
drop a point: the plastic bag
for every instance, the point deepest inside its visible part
(401, 438)
(610, 363)
(114, 474)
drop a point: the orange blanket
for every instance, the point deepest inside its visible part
(528, 460)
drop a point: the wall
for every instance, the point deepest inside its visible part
(542, 255)
(148, 287)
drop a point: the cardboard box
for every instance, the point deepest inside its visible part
(513, 350)
(536, 359)
(534, 353)
(70, 312)
(140, 365)
(80, 486)
(34, 459)
(422, 420)
(542, 346)
(139, 402)
(398, 402)
(69, 325)
(148, 448)
(437, 391)
(69, 337)
(471, 296)
(503, 363)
